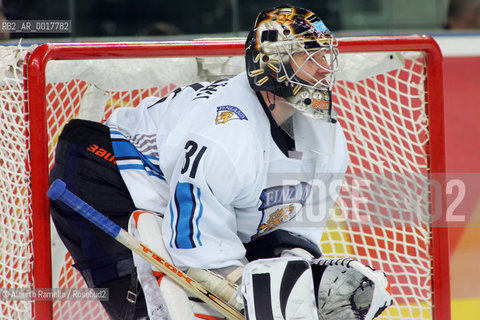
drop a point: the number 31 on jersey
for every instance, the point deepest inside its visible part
(192, 158)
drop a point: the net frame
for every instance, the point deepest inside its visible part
(35, 85)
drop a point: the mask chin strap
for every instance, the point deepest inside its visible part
(271, 106)
(331, 114)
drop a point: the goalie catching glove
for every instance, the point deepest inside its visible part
(347, 289)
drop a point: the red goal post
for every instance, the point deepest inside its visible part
(36, 104)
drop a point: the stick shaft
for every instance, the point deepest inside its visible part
(58, 191)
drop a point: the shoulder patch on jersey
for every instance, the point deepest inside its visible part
(227, 113)
(281, 204)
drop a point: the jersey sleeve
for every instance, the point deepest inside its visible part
(200, 228)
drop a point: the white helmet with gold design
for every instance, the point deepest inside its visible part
(292, 54)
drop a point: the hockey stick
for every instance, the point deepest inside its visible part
(59, 191)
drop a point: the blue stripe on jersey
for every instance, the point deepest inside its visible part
(171, 224)
(124, 150)
(200, 212)
(186, 205)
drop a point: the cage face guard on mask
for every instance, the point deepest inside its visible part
(292, 54)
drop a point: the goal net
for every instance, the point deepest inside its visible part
(389, 100)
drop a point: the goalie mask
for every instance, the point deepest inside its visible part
(291, 54)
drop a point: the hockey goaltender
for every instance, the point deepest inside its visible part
(213, 177)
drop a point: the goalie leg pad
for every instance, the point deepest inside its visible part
(165, 299)
(279, 288)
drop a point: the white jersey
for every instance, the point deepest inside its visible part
(204, 157)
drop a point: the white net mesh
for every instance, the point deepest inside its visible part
(15, 210)
(386, 127)
(382, 107)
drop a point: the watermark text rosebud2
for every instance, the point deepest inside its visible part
(393, 199)
(51, 294)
